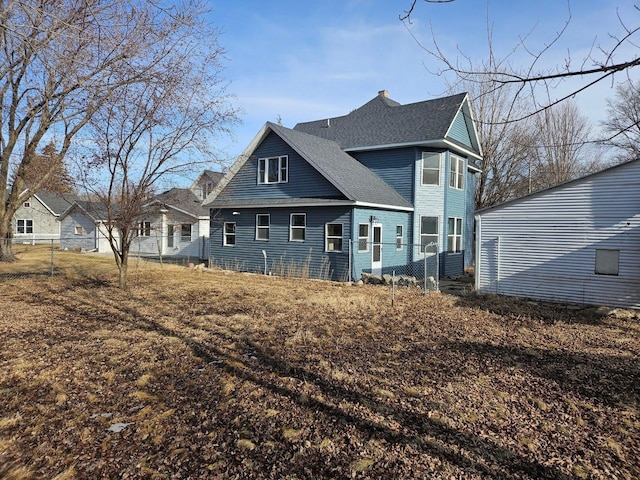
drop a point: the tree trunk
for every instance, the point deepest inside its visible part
(6, 251)
(123, 266)
(122, 280)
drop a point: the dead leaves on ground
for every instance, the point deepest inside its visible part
(244, 376)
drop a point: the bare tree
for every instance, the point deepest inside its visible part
(600, 64)
(505, 145)
(623, 121)
(161, 126)
(561, 150)
(60, 61)
(47, 163)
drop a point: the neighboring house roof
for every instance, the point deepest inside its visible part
(56, 202)
(385, 122)
(97, 211)
(214, 176)
(555, 187)
(355, 181)
(182, 199)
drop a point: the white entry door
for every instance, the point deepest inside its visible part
(376, 250)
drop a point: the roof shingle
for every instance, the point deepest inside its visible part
(382, 121)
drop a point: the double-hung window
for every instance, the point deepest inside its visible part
(273, 170)
(144, 229)
(430, 168)
(454, 235)
(297, 227)
(24, 226)
(229, 235)
(428, 232)
(333, 237)
(363, 237)
(456, 179)
(262, 226)
(185, 232)
(399, 237)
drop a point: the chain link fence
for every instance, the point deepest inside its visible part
(40, 262)
(402, 264)
(394, 264)
(47, 257)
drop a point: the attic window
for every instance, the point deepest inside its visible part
(273, 170)
(27, 204)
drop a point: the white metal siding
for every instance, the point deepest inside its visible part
(543, 246)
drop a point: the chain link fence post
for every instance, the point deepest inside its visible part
(52, 263)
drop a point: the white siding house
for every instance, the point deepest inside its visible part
(578, 242)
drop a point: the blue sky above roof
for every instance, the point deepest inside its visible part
(301, 61)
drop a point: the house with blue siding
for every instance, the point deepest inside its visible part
(364, 192)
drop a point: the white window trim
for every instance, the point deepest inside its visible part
(366, 239)
(143, 231)
(455, 235)
(400, 237)
(263, 227)
(24, 226)
(225, 234)
(437, 234)
(458, 173)
(182, 237)
(327, 237)
(78, 230)
(428, 154)
(265, 161)
(297, 227)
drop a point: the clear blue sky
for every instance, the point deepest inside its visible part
(306, 60)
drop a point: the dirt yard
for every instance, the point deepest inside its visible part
(192, 375)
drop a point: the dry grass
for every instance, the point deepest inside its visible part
(226, 375)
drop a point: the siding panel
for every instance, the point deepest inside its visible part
(304, 180)
(283, 256)
(459, 130)
(392, 259)
(548, 241)
(394, 166)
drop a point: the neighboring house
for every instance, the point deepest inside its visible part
(36, 221)
(358, 193)
(578, 242)
(83, 225)
(174, 223)
(205, 183)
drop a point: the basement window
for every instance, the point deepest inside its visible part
(607, 262)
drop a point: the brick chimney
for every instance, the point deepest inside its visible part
(383, 93)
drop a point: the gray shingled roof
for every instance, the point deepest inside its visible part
(355, 181)
(97, 211)
(183, 199)
(214, 176)
(383, 121)
(56, 202)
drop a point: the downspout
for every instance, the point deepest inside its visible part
(478, 220)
